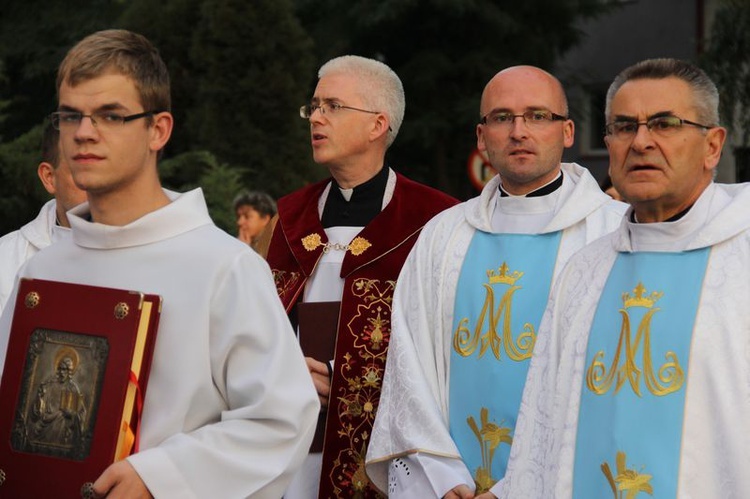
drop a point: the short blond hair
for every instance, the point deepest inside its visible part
(126, 53)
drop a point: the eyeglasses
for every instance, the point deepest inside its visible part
(103, 120)
(534, 118)
(662, 126)
(328, 107)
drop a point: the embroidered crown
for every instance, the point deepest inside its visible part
(641, 299)
(503, 276)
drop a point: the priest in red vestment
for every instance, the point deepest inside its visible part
(336, 253)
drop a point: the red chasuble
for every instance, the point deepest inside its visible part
(370, 269)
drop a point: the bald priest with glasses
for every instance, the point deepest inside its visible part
(335, 254)
(640, 380)
(471, 296)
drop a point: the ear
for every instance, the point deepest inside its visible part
(569, 132)
(161, 130)
(380, 127)
(606, 143)
(715, 138)
(480, 138)
(46, 174)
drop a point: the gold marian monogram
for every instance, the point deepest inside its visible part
(490, 437)
(356, 247)
(466, 343)
(627, 481)
(670, 376)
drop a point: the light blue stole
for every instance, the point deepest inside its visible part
(635, 377)
(500, 298)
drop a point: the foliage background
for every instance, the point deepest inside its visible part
(240, 70)
(727, 60)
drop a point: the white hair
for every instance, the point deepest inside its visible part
(380, 88)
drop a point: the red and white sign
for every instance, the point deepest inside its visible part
(479, 169)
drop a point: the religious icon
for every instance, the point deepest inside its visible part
(59, 394)
(58, 415)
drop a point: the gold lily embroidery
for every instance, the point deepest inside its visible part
(490, 436)
(628, 483)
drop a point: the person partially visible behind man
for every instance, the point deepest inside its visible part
(230, 409)
(471, 295)
(255, 211)
(51, 224)
(606, 185)
(640, 381)
(344, 240)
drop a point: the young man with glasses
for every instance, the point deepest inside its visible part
(344, 240)
(51, 224)
(228, 388)
(640, 381)
(471, 297)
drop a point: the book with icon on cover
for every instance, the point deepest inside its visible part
(73, 385)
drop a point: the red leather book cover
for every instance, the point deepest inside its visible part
(318, 328)
(66, 386)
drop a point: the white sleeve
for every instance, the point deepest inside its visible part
(262, 435)
(412, 411)
(424, 475)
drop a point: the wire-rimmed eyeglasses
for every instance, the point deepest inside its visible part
(328, 107)
(663, 126)
(532, 117)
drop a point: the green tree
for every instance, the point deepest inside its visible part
(220, 183)
(34, 37)
(727, 60)
(444, 51)
(3, 103)
(21, 192)
(253, 61)
(240, 70)
(170, 25)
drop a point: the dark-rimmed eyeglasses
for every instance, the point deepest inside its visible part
(68, 120)
(534, 117)
(663, 126)
(328, 108)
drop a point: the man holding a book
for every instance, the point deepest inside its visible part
(230, 408)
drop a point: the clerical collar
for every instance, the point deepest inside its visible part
(673, 218)
(364, 203)
(542, 191)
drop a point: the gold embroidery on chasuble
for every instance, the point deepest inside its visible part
(625, 364)
(490, 436)
(466, 342)
(285, 281)
(356, 247)
(311, 241)
(627, 481)
(362, 371)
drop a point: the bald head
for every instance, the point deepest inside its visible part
(524, 80)
(526, 154)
